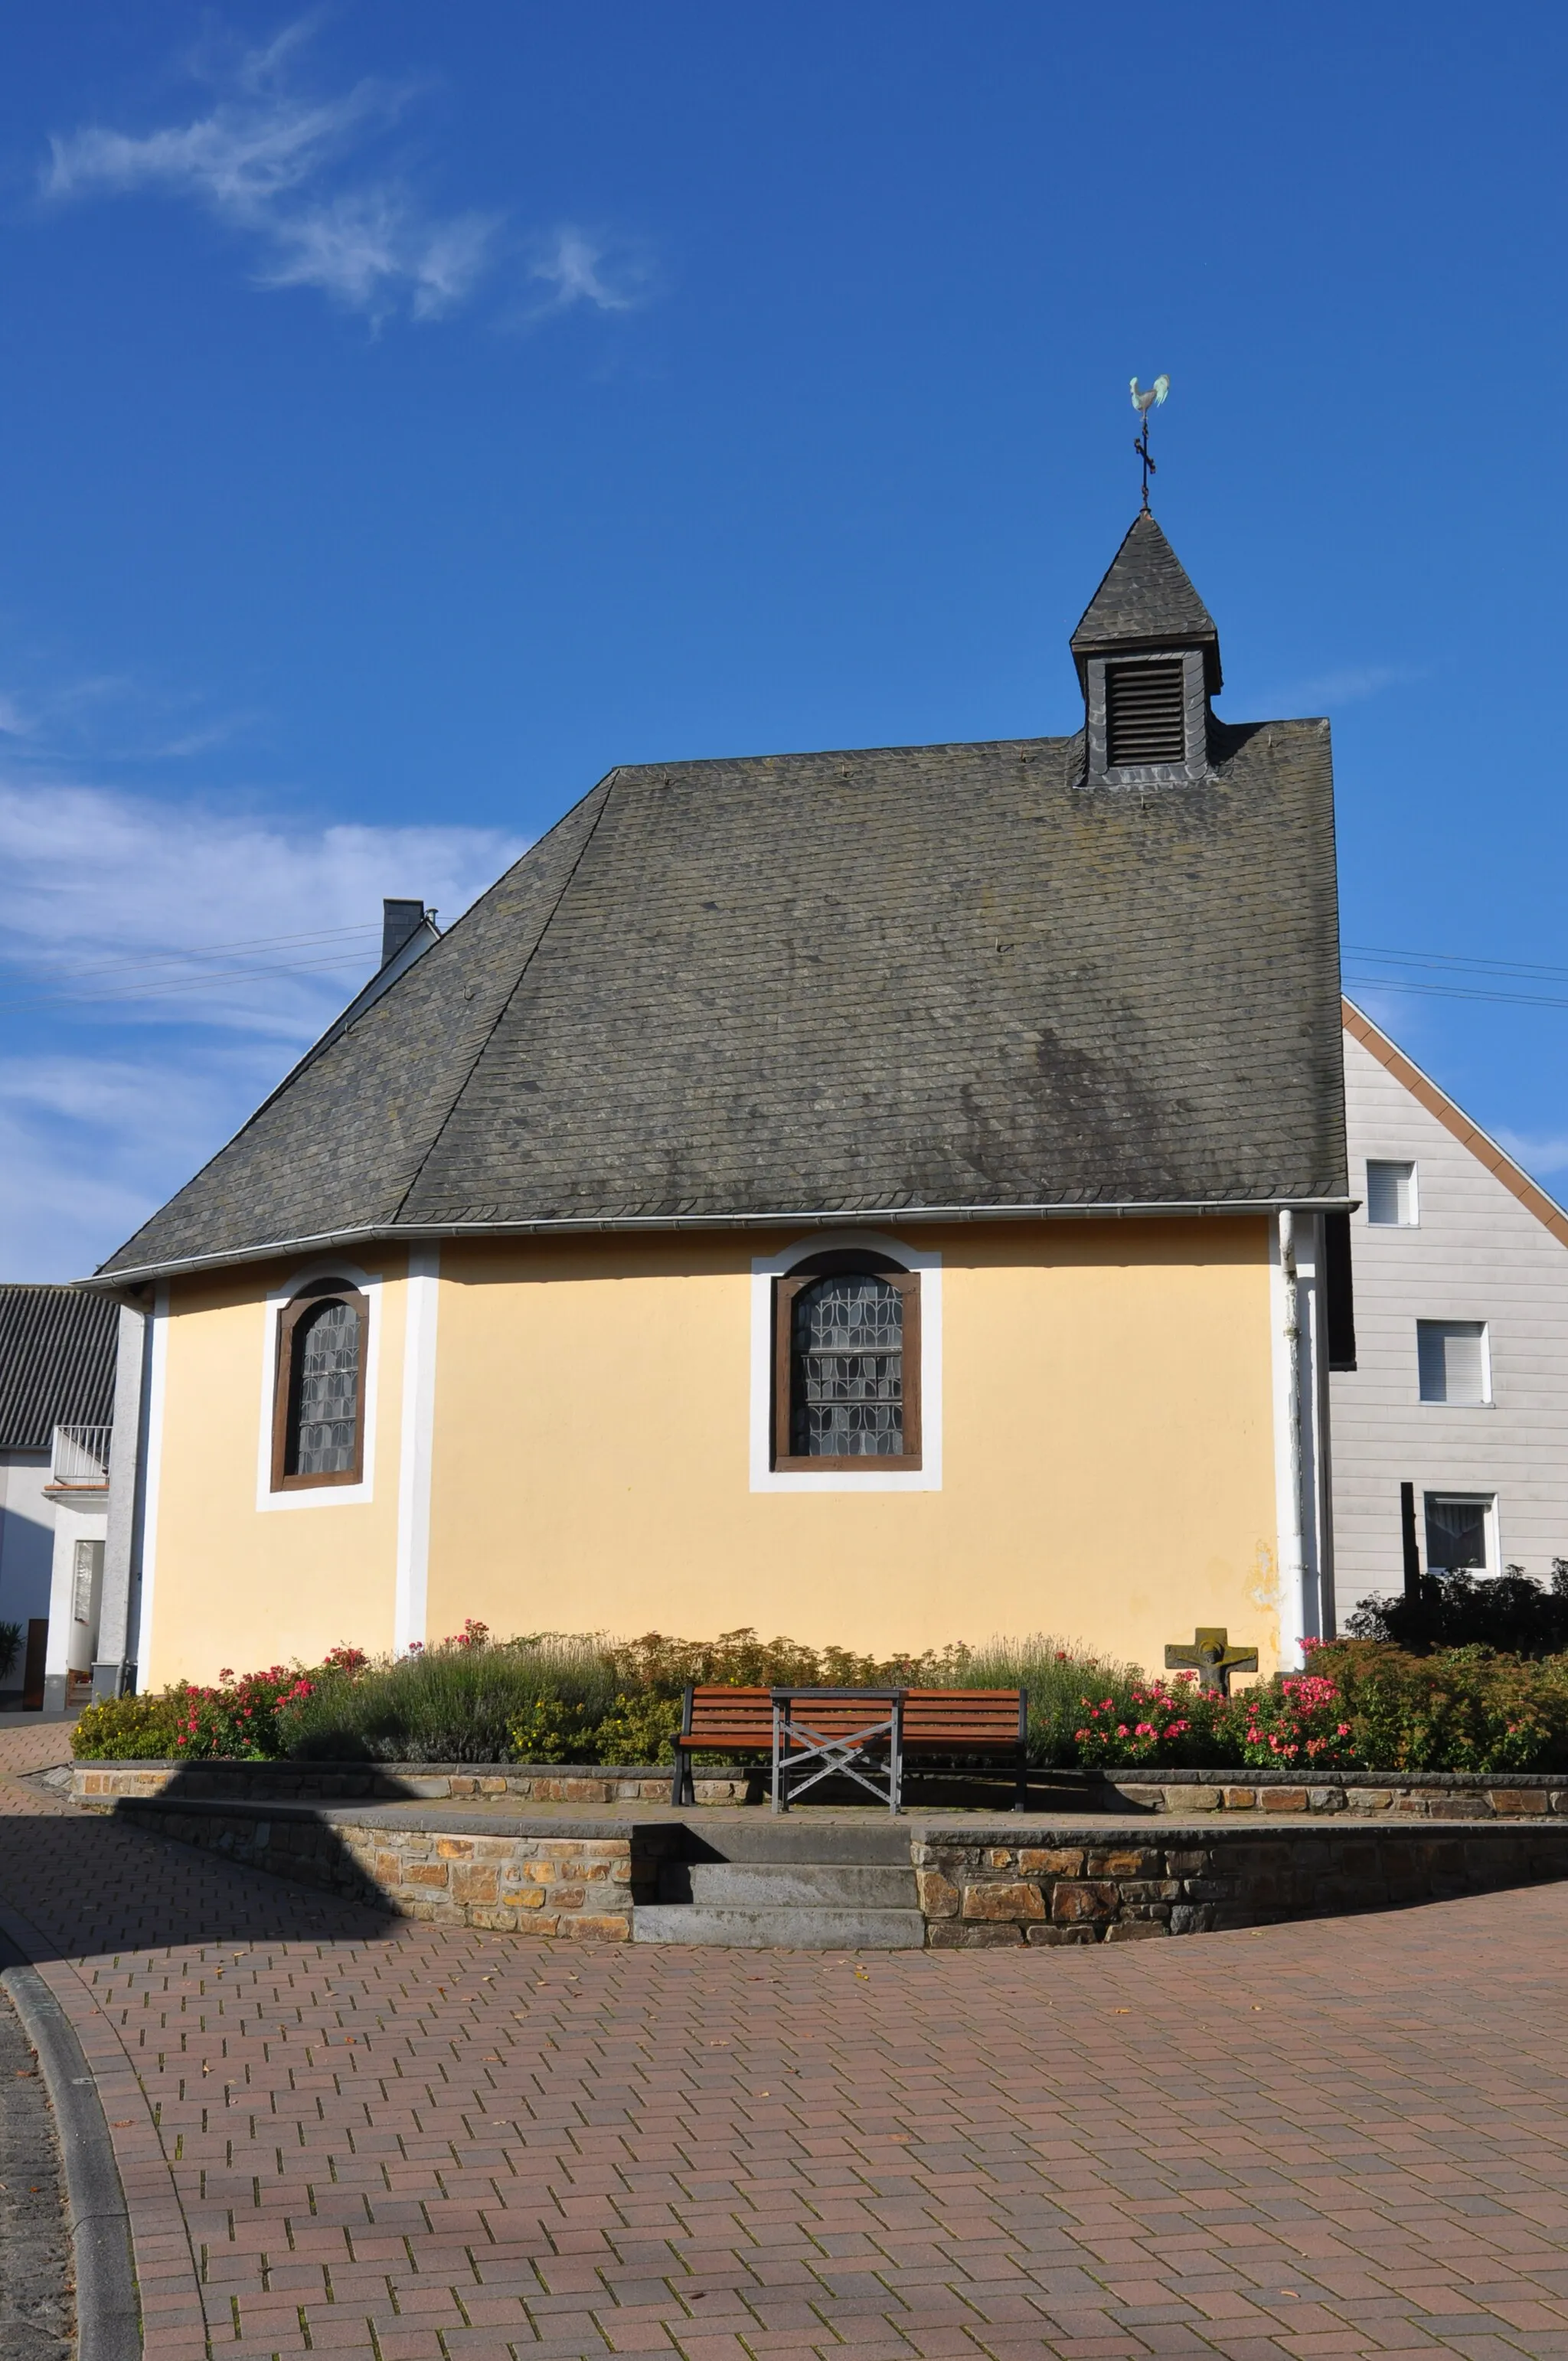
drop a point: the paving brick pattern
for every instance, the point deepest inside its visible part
(370, 2136)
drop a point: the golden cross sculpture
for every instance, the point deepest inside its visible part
(1212, 1658)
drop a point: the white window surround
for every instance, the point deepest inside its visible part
(765, 1268)
(1435, 1368)
(1393, 1192)
(325, 1496)
(1485, 1501)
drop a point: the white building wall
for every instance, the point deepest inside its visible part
(27, 1536)
(1476, 1254)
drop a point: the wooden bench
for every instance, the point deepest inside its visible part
(937, 1725)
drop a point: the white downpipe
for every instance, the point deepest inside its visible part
(1292, 1548)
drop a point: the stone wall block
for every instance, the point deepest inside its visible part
(425, 1872)
(472, 1882)
(601, 1927)
(1187, 1865)
(1036, 1861)
(1141, 1890)
(1074, 1903)
(1059, 1934)
(1510, 1801)
(1143, 1862)
(939, 1895)
(1136, 1930)
(454, 1849)
(1191, 1918)
(999, 1899)
(1283, 1799)
(1239, 1799)
(1192, 1800)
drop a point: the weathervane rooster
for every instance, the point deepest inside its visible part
(1143, 403)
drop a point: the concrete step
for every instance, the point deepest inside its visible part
(810, 1886)
(805, 1929)
(805, 1836)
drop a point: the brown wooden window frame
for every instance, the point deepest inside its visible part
(843, 1262)
(285, 1389)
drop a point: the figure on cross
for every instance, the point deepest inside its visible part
(1211, 1657)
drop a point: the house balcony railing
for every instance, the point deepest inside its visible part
(79, 1460)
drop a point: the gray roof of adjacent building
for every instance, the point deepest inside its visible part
(57, 1363)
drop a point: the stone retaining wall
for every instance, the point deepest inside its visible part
(579, 1887)
(1419, 1795)
(977, 1890)
(104, 1784)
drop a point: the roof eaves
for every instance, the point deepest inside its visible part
(785, 1217)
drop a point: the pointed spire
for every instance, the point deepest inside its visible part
(1146, 601)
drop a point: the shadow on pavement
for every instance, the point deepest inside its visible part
(87, 1886)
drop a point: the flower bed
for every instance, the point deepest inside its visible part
(584, 1699)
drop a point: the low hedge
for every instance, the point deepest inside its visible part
(553, 1698)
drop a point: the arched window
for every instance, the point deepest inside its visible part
(848, 1364)
(318, 1431)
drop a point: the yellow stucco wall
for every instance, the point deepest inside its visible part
(233, 1584)
(1109, 1451)
(1108, 1474)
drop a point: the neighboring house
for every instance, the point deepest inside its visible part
(1450, 1438)
(876, 1195)
(57, 1398)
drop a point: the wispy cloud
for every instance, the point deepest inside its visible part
(287, 168)
(1547, 1155)
(1349, 685)
(166, 912)
(168, 964)
(580, 266)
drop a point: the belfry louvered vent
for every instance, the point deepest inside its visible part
(1145, 712)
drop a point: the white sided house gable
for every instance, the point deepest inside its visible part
(1461, 1384)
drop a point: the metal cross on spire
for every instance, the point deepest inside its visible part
(1143, 403)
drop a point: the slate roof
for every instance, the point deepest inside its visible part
(57, 1363)
(1146, 601)
(912, 977)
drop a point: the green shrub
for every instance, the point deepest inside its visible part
(458, 1702)
(128, 1728)
(1458, 1710)
(639, 1729)
(1511, 1612)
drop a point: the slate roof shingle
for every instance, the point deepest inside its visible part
(911, 977)
(57, 1363)
(1146, 601)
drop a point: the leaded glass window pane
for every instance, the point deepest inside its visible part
(326, 1416)
(846, 1400)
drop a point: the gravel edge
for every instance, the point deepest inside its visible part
(108, 2316)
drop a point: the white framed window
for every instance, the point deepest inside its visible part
(860, 1473)
(1462, 1532)
(345, 1488)
(86, 1566)
(1454, 1361)
(1392, 1203)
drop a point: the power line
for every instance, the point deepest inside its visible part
(1456, 960)
(1448, 991)
(216, 950)
(183, 983)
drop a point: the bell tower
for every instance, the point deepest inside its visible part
(1148, 662)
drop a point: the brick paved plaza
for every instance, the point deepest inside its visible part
(343, 2133)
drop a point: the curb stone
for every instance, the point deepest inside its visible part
(108, 2317)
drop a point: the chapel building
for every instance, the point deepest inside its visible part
(884, 1197)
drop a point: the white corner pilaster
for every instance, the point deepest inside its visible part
(416, 1448)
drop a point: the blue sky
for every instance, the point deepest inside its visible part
(407, 413)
